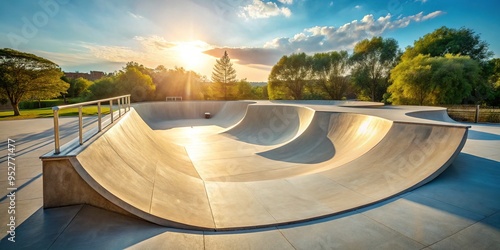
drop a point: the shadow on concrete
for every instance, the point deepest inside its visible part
(293, 153)
(68, 130)
(23, 185)
(478, 135)
(81, 227)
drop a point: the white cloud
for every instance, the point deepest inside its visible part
(357, 7)
(286, 1)
(420, 17)
(323, 38)
(154, 42)
(260, 9)
(422, 1)
(115, 53)
(135, 16)
(433, 15)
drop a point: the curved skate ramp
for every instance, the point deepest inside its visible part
(308, 164)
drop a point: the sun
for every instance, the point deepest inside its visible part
(190, 55)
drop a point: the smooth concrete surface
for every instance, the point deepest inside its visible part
(463, 203)
(265, 168)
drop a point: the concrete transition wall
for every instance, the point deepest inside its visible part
(253, 164)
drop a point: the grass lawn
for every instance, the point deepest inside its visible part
(47, 112)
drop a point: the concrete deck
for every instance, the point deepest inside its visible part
(460, 207)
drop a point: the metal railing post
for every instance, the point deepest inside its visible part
(80, 125)
(56, 131)
(111, 109)
(476, 118)
(128, 98)
(99, 117)
(119, 107)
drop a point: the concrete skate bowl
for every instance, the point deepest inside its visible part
(252, 164)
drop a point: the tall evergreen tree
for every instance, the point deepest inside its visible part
(224, 75)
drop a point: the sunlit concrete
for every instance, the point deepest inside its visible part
(254, 164)
(458, 209)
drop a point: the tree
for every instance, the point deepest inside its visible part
(445, 40)
(411, 81)
(289, 77)
(244, 90)
(103, 88)
(260, 92)
(224, 75)
(494, 81)
(463, 42)
(373, 59)
(434, 80)
(330, 72)
(24, 75)
(135, 81)
(79, 87)
(177, 82)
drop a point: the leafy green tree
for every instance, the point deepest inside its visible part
(260, 92)
(224, 76)
(244, 90)
(463, 42)
(372, 61)
(79, 87)
(445, 40)
(132, 79)
(434, 80)
(289, 77)
(330, 73)
(103, 88)
(24, 75)
(494, 81)
(411, 81)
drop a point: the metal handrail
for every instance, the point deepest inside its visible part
(121, 100)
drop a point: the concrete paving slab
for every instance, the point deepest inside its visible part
(23, 209)
(248, 239)
(94, 228)
(42, 228)
(484, 234)
(424, 220)
(351, 231)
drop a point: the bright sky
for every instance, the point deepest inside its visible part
(84, 35)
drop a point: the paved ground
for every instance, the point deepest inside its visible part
(459, 209)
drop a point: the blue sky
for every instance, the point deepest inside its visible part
(103, 35)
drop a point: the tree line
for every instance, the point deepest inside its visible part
(147, 84)
(25, 76)
(447, 66)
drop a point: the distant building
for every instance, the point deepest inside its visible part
(92, 76)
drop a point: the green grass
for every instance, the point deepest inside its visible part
(47, 112)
